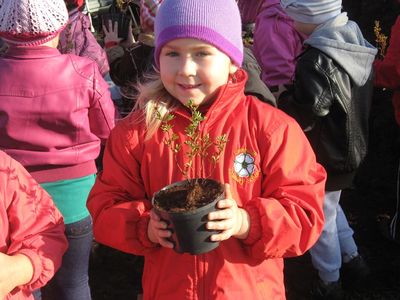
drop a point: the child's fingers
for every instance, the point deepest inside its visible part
(163, 233)
(154, 216)
(105, 30)
(228, 192)
(110, 25)
(220, 225)
(157, 223)
(115, 27)
(219, 237)
(166, 243)
(220, 214)
(226, 203)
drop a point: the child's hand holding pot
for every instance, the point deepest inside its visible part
(157, 231)
(230, 220)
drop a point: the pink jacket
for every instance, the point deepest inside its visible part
(54, 111)
(76, 38)
(30, 224)
(276, 44)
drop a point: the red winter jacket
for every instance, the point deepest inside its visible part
(387, 71)
(55, 109)
(30, 224)
(282, 191)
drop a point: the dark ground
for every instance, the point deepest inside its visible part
(115, 275)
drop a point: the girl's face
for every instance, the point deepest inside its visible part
(193, 70)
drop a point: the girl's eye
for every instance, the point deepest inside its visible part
(171, 53)
(203, 53)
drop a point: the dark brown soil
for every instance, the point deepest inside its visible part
(190, 195)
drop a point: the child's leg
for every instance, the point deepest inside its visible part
(71, 281)
(348, 246)
(325, 254)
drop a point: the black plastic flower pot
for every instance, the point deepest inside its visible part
(187, 224)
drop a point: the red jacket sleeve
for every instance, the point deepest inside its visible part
(288, 217)
(387, 71)
(117, 202)
(35, 226)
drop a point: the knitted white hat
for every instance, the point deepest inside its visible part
(31, 22)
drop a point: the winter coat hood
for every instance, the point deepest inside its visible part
(343, 41)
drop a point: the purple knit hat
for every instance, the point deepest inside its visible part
(31, 22)
(216, 22)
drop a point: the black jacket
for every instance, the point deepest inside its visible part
(333, 112)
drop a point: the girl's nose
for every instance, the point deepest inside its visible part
(187, 67)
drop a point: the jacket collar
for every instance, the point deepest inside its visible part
(227, 97)
(31, 52)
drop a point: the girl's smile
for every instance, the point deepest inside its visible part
(189, 86)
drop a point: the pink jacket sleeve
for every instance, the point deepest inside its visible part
(35, 226)
(102, 110)
(387, 71)
(288, 217)
(248, 10)
(117, 201)
(92, 48)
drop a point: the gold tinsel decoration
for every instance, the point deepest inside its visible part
(380, 39)
(123, 4)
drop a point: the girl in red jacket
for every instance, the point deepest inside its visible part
(273, 197)
(32, 239)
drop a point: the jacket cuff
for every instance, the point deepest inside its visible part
(142, 231)
(255, 226)
(110, 44)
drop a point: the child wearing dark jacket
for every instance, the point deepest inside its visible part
(331, 100)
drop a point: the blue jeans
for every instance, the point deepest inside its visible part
(336, 240)
(71, 282)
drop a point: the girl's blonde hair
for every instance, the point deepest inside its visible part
(154, 97)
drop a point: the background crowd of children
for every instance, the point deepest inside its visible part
(64, 90)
